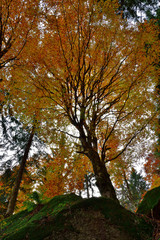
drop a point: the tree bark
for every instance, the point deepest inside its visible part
(14, 194)
(103, 181)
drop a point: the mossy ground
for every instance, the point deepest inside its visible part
(60, 217)
(29, 223)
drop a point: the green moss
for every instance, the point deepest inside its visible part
(30, 223)
(57, 215)
(150, 200)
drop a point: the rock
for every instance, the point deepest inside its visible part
(150, 205)
(69, 217)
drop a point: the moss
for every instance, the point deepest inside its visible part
(119, 216)
(58, 216)
(150, 200)
(18, 225)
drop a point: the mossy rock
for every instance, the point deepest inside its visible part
(150, 205)
(69, 217)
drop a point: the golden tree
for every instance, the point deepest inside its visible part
(17, 20)
(97, 71)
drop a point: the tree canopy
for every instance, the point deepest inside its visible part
(84, 66)
(98, 71)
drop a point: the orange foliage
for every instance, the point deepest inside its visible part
(63, 175)
(17, 20)
(87, 60)
(118, 170)
(152, 169)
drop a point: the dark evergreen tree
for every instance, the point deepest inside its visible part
(136, 9)
(13, 139)
(138, 186)
(131, 190)
(15, 144)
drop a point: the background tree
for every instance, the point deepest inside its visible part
(17, 19)
(7, 180)
(130, 192)
(13, 140)
(155, 165)
(135, 9)
(64, 172)
(16, 142)
(14, 193)
(149, 10)
(6, 183)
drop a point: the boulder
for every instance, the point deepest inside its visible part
(69, 217)
(150, 205)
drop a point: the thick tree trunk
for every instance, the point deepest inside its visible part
(14, 194)
(103, 181)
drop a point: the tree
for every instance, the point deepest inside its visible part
(132, 190)
(136, 9)
(97, 71)
(13, 141)
(152, 165)
(14, 194)
(89, 184)
(16, 141)
(6, 183)
(7, 180)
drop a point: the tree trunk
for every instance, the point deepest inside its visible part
(87, 185)
(130, 196)
(103, 181)
(14, 194)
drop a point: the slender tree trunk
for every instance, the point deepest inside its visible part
(87, 186)
(130, 196)
(14, 194)
(103, 181)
